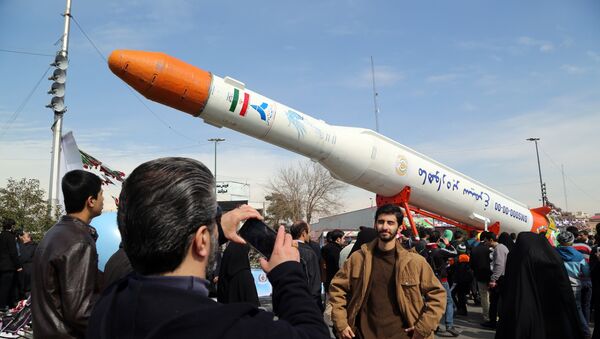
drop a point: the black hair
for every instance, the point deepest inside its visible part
(8, 224)
(435, 236)
(334, 235)
(297, 228)
(77, 187)
(504, 239)
(488, 236)
(513, 236)
(390, 209)
(162, 204)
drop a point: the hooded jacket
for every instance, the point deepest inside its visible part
(420, 295)
(577, 267)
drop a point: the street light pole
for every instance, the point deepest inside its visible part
(535, 140)
(59, 110)
(216, 141)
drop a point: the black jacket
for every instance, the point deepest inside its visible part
(236, 283)
(140, 308)
(9, 258)
(65, 280)
(26, 259)
(331, 255)
(438, 259)
(480, 263)
(117, 267)
(312, 270)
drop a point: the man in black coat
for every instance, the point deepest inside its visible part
(65, 282)
(330, 255)
(9, 264)
(300, 231)
(166, 217)
(27, 250)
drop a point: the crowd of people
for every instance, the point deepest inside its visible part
(16, 259)
(169, 280)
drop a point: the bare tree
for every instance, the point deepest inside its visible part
(302, 191)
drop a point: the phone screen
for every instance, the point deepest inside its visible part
(259, 235)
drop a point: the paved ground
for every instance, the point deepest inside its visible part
(468, 326)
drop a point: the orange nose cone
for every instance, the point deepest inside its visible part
(540, 221)
(162, 78)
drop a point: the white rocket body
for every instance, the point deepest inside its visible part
(363, 158)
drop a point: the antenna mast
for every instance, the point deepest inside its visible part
(562, 169)
(375, 94)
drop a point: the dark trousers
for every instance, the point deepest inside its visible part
(461, 290)
(586, 298)
(6, 288)
(495, 301)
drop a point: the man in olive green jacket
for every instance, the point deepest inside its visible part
(384, 290)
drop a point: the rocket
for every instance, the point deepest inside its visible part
(357, 156)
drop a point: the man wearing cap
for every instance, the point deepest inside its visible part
(462, 277)
(577, 269)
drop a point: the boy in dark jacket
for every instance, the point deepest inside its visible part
(462, 276)
(437, 258)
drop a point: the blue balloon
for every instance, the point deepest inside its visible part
(109, 236)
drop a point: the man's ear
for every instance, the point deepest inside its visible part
(90, 202)
(201, 243)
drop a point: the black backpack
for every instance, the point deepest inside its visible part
(429, 254)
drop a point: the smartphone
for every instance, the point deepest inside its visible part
(259, 235)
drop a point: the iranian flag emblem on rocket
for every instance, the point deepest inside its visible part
(235, 101)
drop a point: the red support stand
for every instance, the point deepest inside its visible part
(401, 199)
(494, 228)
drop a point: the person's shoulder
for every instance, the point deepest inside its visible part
(306, 251)
(357, 256)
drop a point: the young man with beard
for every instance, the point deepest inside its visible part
(384, 290)
(166, 218)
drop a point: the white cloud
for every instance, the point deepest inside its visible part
(595, 56)
(469, 107)
(384, 76)
(571, 69)
(498, 155)
(542, 45)
(442, 78)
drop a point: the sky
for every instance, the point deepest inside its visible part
(464, 82)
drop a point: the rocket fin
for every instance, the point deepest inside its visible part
(540, 221)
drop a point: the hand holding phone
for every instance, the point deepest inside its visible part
(259, 235)
(231, 220)
(283, 251)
